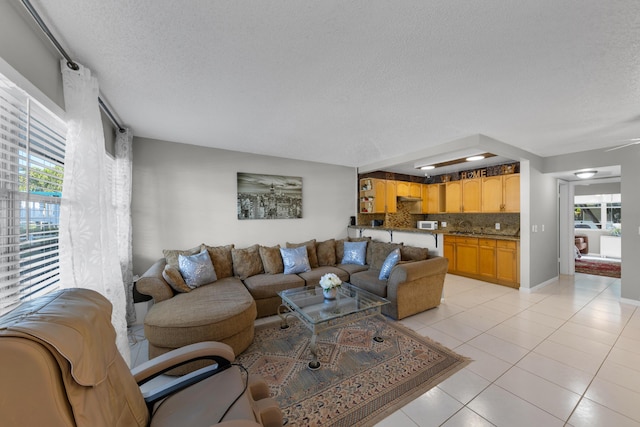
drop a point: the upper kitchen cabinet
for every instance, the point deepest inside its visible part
(471, 195)
(372, 195)
(501, 193)
(392, 194)
(433, 198)
(464, 195)
(511, 192)
(453, 200)
(402, 188)
(415, 190)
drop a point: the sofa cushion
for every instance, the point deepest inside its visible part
(369, 281)
(174, 279)
(271, 259)
(295, 260)
(389, 263)
(377, 252)
(412, 253)
(246, 262)
(340, 249)
(197, 270)
(262, 286)
(312, 277)
(222, 260)
(208, 313)
(311, 251)
(326, 252)
(171, 255)
(352, 268)
(354, 253)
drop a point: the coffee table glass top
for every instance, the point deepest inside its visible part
(310, 303)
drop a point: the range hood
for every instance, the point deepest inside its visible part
(409, 199)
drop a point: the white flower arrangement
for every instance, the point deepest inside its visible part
(330, 281)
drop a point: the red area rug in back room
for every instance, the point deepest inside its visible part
(598, 268)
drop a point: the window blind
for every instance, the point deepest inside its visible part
(32, 145)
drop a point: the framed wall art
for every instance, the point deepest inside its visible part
(269, 196)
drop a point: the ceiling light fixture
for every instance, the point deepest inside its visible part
(474, 158)
(426, 168)
(585, 174)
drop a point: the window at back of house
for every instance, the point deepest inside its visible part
(32, 146)
(603, 211)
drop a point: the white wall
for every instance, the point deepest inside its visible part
(184, 195)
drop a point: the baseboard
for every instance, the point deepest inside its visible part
(540, 285)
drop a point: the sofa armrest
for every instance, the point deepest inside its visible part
(153, 284)
(415, 270)
(416, 286)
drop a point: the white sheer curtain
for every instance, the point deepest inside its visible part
(123, 181)
(88, 248)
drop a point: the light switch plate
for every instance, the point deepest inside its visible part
(497, 226)
(444, 224)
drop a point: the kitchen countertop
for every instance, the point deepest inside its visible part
(439, 231)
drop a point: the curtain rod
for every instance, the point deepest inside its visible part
(70, 63)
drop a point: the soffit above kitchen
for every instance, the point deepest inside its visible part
(356, 83)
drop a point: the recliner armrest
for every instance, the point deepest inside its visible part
(216, 351)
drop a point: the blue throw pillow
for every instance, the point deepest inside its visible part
(197, 270)
(354, 253)
(391, 260)
(295, 260)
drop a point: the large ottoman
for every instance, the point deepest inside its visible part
(223, 311)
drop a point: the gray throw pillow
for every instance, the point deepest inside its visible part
(295, 260)
(389, 263)
(354, 253)
(197, 270)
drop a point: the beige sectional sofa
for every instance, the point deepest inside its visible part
(248, 282)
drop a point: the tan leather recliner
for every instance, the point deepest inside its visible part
(59, 366)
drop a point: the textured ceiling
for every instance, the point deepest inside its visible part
(358, 82)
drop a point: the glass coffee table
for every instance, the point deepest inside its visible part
(320, 314)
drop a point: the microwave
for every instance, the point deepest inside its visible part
(427, 225)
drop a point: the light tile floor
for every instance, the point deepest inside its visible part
(564, 355)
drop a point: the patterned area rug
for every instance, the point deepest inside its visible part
(360, 381)
(598, 268)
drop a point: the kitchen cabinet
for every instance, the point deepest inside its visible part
(467, 255)
(372, 195)
(453, 203)
(507, 263)
(392, 194)
(511, 192)
(464, 195)
(402, 188)
(433, 198)
(491, 260)
(501, 193)
(462, 253)
(487, 258)
(471, 195)
(415, 190)
(449, 252)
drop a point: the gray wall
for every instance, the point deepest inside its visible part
(28, 52)
(184, 195)
(592, 189)
(543, 242)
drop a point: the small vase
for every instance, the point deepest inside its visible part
(330, 293)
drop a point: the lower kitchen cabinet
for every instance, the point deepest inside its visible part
(487, 258)
(491, 260)
(507, 261)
